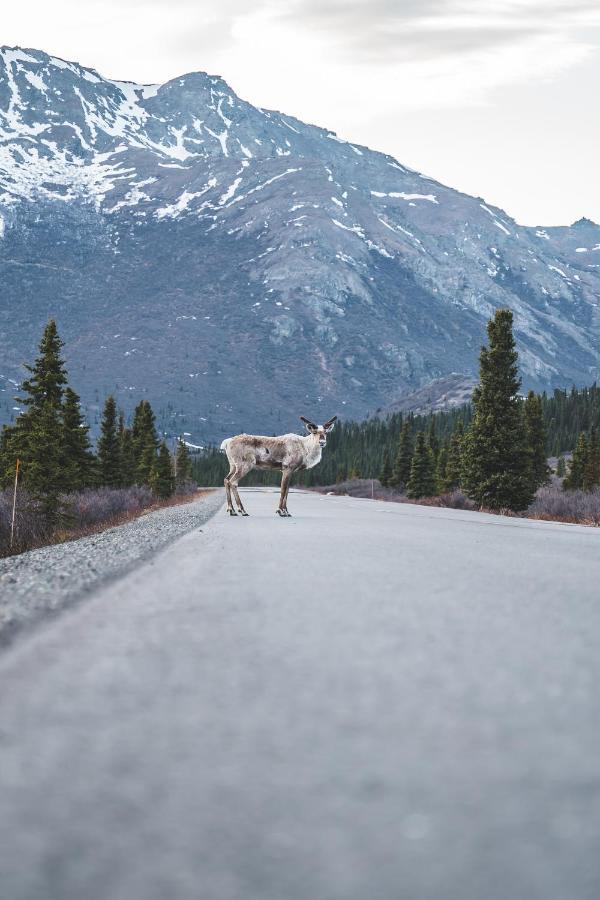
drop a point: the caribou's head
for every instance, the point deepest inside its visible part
(319, 431)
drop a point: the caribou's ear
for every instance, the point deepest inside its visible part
(329, 425)
(310, 426)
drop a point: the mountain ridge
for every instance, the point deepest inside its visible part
(234, 264)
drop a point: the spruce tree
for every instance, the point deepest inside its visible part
(440, 468)
(402, 465)
(183, 465)
(162, 479)
(536, 439)
(77, 458)
(591, 473)
(453, 474)
(109, 458)
(37, 436)
(145, 441)
(496, 460)
(579, 460)
(43, 473)
(422, 480)
(48, 375)
(386, 470)
(126, 453)
(561, 468)
(432, 439)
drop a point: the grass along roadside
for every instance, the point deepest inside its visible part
(87, 512)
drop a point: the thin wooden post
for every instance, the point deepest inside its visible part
(14, 509)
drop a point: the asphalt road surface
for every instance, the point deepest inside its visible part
(367, 701)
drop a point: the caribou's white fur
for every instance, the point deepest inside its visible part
(288, 453)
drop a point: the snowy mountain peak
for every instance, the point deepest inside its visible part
(181, 210)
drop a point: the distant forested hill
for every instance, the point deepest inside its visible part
(358, 448)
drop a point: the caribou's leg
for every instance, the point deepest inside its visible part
(240, 471)
(230, 510)
(287, 490)
(285, 484)
(240, 505)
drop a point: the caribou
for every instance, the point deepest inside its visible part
(287, 453)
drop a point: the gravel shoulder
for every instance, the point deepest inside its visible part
(44, 581)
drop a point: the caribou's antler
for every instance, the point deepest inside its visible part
(307, 422)
(330, 422)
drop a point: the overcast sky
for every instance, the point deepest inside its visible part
(497, 99)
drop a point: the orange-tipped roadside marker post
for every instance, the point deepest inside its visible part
(14, 509)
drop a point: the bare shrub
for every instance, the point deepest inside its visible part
(361, 487)
(30, 529)
(186, 488)
(82, 512)
(582, 507)
(452, 500)
(105, 504)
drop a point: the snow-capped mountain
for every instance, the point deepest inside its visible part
(239, 267)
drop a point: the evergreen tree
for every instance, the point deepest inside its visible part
(37, 436)
(440, 468)
(536, 439)
(591, 473)
(496, 460)
(422, 481)
(386, 470)
(126, 453)
(402, 465)
(109, 458)
(561, 469)
(432, 439)
(43, 474)
(145, 441)
(578, 464)
(453, 474)
(183, 466)
(48, 375)
(78, 460)
(162, 479)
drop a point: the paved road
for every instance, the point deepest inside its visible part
(364, 702)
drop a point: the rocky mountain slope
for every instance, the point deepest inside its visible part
(439, 395)
(239, 267)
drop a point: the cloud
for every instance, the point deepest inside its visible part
(357, 32)
(363, 31)
(395, 30)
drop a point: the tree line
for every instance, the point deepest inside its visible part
(51, 440)
(494, 448)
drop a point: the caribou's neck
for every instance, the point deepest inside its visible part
(313, 451)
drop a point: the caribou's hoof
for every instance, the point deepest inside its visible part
(232, 512)
(280, 512)
(243, 512)
(288, 514)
